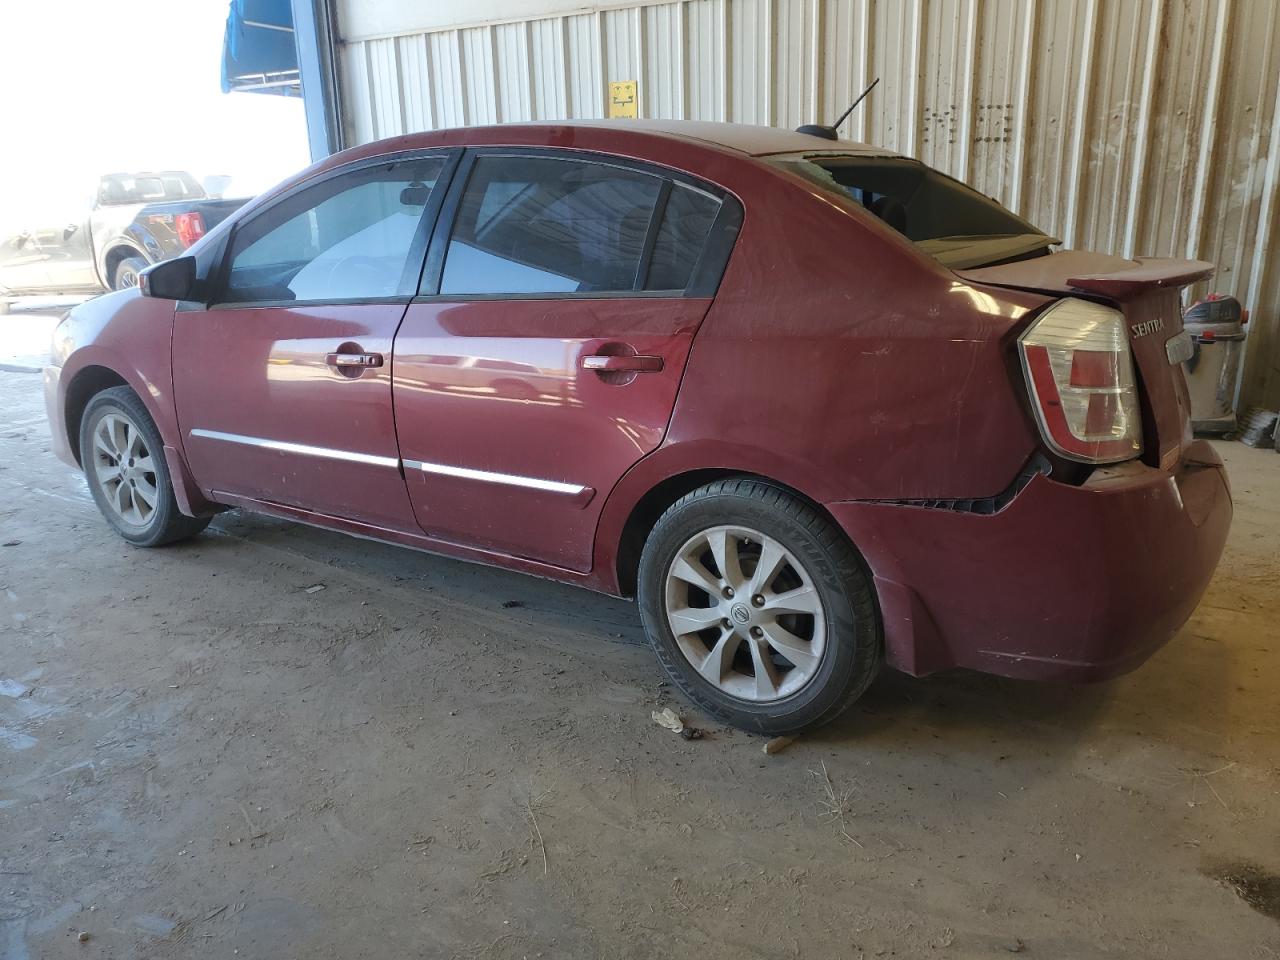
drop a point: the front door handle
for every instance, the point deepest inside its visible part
(348, 360)
(625, 363)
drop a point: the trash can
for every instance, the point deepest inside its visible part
(1216, 325)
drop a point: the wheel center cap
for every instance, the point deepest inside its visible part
(740, 613)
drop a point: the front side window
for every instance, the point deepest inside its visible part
(545, 225)
(346, 238)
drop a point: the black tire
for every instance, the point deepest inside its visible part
(126, 273)
(165, 522)
(853, 651)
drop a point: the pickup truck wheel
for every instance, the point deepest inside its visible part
(127, 271)
(123, 459)
(758, 607)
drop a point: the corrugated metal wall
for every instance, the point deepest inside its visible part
(1130, 126)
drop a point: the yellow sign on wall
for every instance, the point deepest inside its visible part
(622, 99)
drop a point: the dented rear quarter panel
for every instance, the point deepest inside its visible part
(841, 361)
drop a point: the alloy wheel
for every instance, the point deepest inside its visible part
(745, 613)
(124, 469)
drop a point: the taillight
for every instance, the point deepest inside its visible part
(189, 227)
(1080, 374)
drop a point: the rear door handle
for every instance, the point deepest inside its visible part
(624, 363)
(353, 359)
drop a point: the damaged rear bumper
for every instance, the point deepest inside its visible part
(1065, 582)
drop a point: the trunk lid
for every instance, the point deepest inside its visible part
(1146, 291)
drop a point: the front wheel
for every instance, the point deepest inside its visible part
(123, 459)
(127, 271)
(758, 607)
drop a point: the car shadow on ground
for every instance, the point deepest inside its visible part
(962, 700)
(1153, 701)
(1185, 696)
(552, 605)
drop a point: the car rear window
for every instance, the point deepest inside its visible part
(951, 222)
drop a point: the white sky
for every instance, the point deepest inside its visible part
(93, 86)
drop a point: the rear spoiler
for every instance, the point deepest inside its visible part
(1100, 274)
(1149, 272)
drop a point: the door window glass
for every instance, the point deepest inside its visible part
(346, 238)
(685, 224)
(544, 225)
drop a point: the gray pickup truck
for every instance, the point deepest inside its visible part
(135, 219)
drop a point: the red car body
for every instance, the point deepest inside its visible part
(835, 359)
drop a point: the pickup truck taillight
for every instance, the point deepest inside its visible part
(189, 227)
(1080, 375)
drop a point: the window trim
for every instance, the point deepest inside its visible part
(704, 280)
(414, 260)
(651, 235)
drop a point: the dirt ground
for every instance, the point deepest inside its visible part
(203, 755)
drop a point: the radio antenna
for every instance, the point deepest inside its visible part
(829, 133)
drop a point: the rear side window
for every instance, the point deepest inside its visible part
(345, 238)
(686, 222)
(548, 225)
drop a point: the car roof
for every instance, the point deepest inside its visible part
(634, 138)
(745, 138)
(740, 138)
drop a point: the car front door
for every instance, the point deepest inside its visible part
(283, 382)
(542, 359)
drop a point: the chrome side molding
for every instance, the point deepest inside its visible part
(284, 446)
(439, 469)
(509, 479)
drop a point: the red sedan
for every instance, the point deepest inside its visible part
(816, 406)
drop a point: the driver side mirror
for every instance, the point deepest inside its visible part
(169, 280)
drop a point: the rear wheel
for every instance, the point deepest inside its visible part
(127, 271)
(758, 607)
(123, 459)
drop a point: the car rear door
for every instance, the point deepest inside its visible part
(283, 383)
(542, 358)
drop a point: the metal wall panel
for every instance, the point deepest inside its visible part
(1131, 126)
(707, 79)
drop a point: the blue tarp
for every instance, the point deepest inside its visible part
(258, 54)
